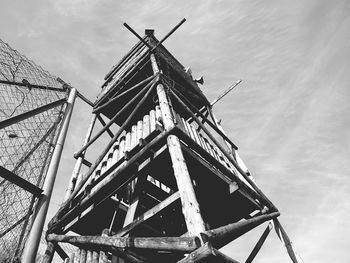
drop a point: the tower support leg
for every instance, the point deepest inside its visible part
(190, 205)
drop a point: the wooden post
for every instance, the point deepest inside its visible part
(286, 241)
(259, 244)
(190, 206)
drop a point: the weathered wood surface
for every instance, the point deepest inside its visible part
(190, 206)
(207, 253)
(223, 235)
(180, 244)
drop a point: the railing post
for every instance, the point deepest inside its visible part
(33, 240)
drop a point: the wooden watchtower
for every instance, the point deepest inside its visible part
(169, 186)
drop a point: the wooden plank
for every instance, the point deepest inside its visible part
(148, 214)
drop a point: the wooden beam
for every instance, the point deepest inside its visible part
(259, 244)
(31, 113)
(19, 181)
(221, 236)
(190, 206)
(110, 133)
(176, 244)
(99, 108)
(282, 234)
(148, 214)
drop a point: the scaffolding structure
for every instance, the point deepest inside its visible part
(32, 105)
(169, 186)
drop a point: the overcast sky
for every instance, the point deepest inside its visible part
(289, 117)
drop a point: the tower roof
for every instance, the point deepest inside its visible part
(135, 66)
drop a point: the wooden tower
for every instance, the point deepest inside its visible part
(169, 186)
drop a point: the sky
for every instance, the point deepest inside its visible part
(289, 117)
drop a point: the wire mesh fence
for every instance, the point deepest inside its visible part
(25, 146)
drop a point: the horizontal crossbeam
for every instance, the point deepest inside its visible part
(180, 244)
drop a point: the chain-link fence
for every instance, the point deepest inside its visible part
(26, 146)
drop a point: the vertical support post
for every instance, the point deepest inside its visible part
(33, 240)
(79, 162)
(282, 234)
(259, 244)
(190, 205)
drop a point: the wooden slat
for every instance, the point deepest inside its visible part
(103, 167)
(82, 256)
(139, 131)
(133, 137)
(95, 256)
(89, 256)
(110, 160)
(121, 147)
(115, 153)
(146, 126)
(204, 144)
(127, 141)
(158, 114)
(152, 120)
